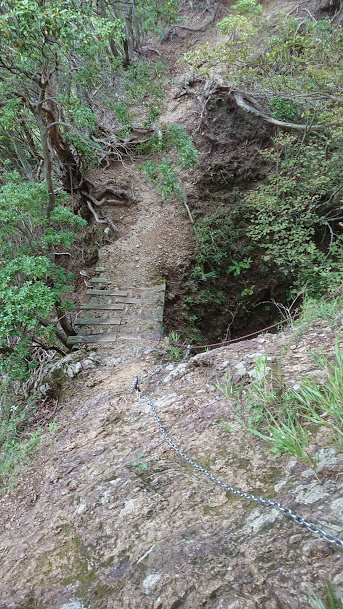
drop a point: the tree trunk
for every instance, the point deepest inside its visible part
(129, 42)
(47, 166)
(126, 58)
(135, 20)
(64, 323)
(114, 49)
(72, 173)
(46, 324)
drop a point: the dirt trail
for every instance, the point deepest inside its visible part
(154, 235)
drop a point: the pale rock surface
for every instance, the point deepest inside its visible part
(102, 533)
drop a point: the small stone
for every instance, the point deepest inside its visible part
(73, 369)
(326, 458)
(87, 364)
(295, 539)
(241, 368)
(150, 582)
(317, 548)
(338, 579)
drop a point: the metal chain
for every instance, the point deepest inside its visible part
(310, 526)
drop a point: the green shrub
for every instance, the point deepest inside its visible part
(163, 173)
(247, 7)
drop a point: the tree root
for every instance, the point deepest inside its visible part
(109, 194)
(238, 97)
(98, 220)
(255, 108)
(191, 29)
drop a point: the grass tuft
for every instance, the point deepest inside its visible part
(286, 418)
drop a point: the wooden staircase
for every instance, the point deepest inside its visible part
(113, 314)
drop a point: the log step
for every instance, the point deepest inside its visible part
(139, 301)
(141, 318)
(102, 307)
(94, 292)
(110, 337)
(154, 288)
(96, 321)
(99, 269)
(99, 280)
(84, 321)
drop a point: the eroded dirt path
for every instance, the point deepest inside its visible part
(155, 236)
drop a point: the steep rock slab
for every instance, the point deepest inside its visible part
(120, 522)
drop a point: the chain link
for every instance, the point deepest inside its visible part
(297, 518)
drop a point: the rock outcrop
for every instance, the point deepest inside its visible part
(113, 519)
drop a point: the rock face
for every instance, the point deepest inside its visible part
(62, 370)
(112, 518)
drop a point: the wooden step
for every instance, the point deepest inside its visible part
(141, 318)
(99, 280)
(102, 307)
(155, 288)
(139, 301)
(109, 337)
(123, 317)
(94, 292)
(156, 336)
(96, 321)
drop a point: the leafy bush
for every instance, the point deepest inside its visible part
(31, 284)
(220, 251)
(177, 138)
(16, 444)
(293, 214)
(247, 7)
(155, 15)
(163, 174)
(144, 85)
(285, 109)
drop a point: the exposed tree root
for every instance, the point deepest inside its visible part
(254, 107)
(191, 29)
(98, 220)
(239, 99)
(109, 194)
